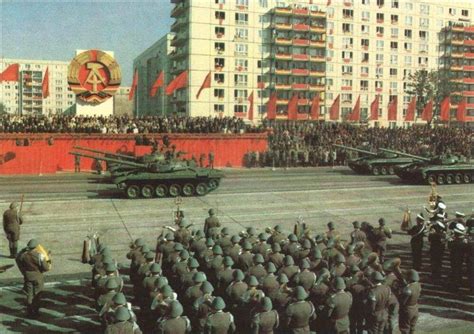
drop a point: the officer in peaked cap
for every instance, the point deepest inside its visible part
(418, 233)
(458, 251)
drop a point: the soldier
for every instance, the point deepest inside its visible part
(277, 236)
(211, 224)
(377, 302)
(182, 234)
(258, 270)
(319, 294)
(265, 320)
(339, 269)
(211, 159)
(382, 234)
(224, 240)
(276, 257)
(261, 246)
(77, 164)
(436, 238)
(245, 260)
(202, 307)
(111, 289)
(338, 306)
(236, 289)
(409, 304)
(316, 260)
(174, 322)
(219, 321)
(293, 247)
(12, 220)
(32, 264)
(357, 289)
(122, 323)
(270, 283)
(332, 233)
(300, 312)
(458, 248)
(417, 233)
(194, 291)
(187, 277)
(357, 235)
(202, 157)
(305, 278)
(289, 268)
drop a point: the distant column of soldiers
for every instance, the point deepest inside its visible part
(208, 281)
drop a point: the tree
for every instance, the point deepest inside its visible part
(2, 109)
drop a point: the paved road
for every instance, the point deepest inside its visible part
(60, 209)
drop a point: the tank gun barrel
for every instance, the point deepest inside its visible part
(87, 149)
(355, 149)
(406, 154)
(123, 162)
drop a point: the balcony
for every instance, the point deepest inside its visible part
(283, 72)
(318, 29)
(317, 13)
(469, 42)
(458, 28)
(178, 24)
(300, 27)
(469, 29)
(300, 42)
(457, 41)
(283, 56)
(378, 89)
(241, 69)
(283, 86)
(317, 59)
(300, 86)
(283, 10)
(178, 10)
(282, 41)
(283, 26)
(179, 39)
(468, 68)
(300, 57)
(242, 7)
(282, 101)
(469, 55)
(317, 73)
(317, 88)
(468, 80)
(300, 11)
(300, 72)
(457, 55)
(456, 68)
(317, 44)
(303, 102)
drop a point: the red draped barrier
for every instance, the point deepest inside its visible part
(48, 153)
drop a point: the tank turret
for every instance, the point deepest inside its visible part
(356, 150)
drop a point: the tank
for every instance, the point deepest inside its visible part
(449, 169)
(170, 177)
(380, 163)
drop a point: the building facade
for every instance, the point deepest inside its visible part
(456, 45)
(368, 49)
(25, 95)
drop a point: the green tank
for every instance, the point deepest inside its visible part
(449, 169)
(380, 163)
(170, 177)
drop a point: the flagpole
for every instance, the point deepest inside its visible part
(261, 74)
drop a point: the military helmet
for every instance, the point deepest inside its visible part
(110, 268)
(145, 249)
(111, 284)
(356, 224)
(319, 238)
(199, 277)
(289, 260)
(253, 281)
(247, 245)
(13, 205)
(193, 263)
(331, 226)
(300, 293)
(178, 247)
(305, 264)
(238, 275)
(122, 314)
(283, 279)
(184, 254)
(139, 242)
(161, 282)
(267, 304)
(228, 262)
(271, 267)
(211, 211)
(276, 247)
(262, 237)
(150, 255)
(292, 237)
(391, 264)
(218, 303)
(183, 222)
(331, 243)
(317, 253)
(176, 309)
(339, 283)
(413, 275)
(258, 258)
(155, 268)
(33, 243)
(306, 244)
(340, 258)
(200, 234)
(169, 236)
(376, 276)
(210, 242)
(350, 249)
(278, 228)
(106, 259)
(119, 298)
(225, 231)
(166, 291)
(217, 250)
(251, 230)
(381, 221)
(207, 287)
(235, 239)
(354, 269)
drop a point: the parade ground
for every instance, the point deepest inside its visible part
(60, 210)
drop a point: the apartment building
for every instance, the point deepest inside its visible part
(256, 47)
(25, 95)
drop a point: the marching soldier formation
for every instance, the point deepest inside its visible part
(271, 282)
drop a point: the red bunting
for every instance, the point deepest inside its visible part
(445, 109)
(392, 109)
(205, 84)
(272, 106)
(10, 73)
(427, 113)
(159, 82)
(334, 110)
(315, 107)
(293, 108)
(355, 114)
(131, 94)
(45, 85)
(250, 113)
(374, 109)
(461, 111)
(180, 81)
(410, 115)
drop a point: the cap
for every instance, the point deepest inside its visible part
(420, 216)
(459, 228)
(122, 314)
(176, 309)
(119, 298)
(300, 293)
(33, 243)
(459, 214)
(339, 283)
(218, 303)
(442, 206)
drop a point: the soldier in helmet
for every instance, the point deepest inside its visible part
(409, 303)
(382, 234)
(219, 321)
(174, 322)
(182, 234)
(12, 220)
(122, 323)
(357, 235)
(378, 301)
(338, 306)
(265, 319)
(211, 224)
(300, 312)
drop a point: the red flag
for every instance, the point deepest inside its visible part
(10, 73)
(334, 110)
(315, 107)
(250, 113)
(179, 82)
(355, 114)
(410, 115)
(374, 109)
(272, 106)
(293, 108)
(206, 84)
(159, 82)
(427, 113)
(461, 111)
(131, 94)
(392, 110)
(45, 85)
(445, 109)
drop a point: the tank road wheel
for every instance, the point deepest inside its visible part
(391, 170)
(376, 170)
(161, 190)
(440, 179)
(147, 191)
(466, 178)
(383, 170)
(458, 178)
(175, 189)
(213, 184)
(450, 179)
(133, 191)
(201, 189)
(188, 189)
(431, 178)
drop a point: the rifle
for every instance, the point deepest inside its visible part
(21, 202)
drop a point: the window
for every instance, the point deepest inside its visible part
(220, 2)
(393, 45)
(364, 85)
(423, 61)
(393, 72)
(379, 58)
(423, 48)
(219, 93)
(394, 32)
(242, 3)
(423, 34)
(365, 16)
(408, 33)
(220, 31)
(348, 13)
(219, 77)
(238, 108)
(379, 31)
(424, 22)
(241, 33)
(394, 3)
(393, 87)
(394, 19)
(219, 63)
(346, 97)
(346, 69)
(364, 29)
(347, 42)
(364, 43)
(379, 72)
(347, 27)
(380, 3)
(407, 46)
(347, 82)
(424, 9)
(219, 47)
(240, 95)
(263, 3)
(240, 79)
(464, 12)
(241, 18)
(364, 70)
(365, 57)
(241, 64)
(393, 59)
(408, 60)
(378, 85)
(347, 54)
(366, 2)
(218, 108)
(452, 11)
(220, 15)
(380, 44)
(408, 20)
(241, 49)
(379, 17)
(59, 89)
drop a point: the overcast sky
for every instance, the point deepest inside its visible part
(53, 30)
